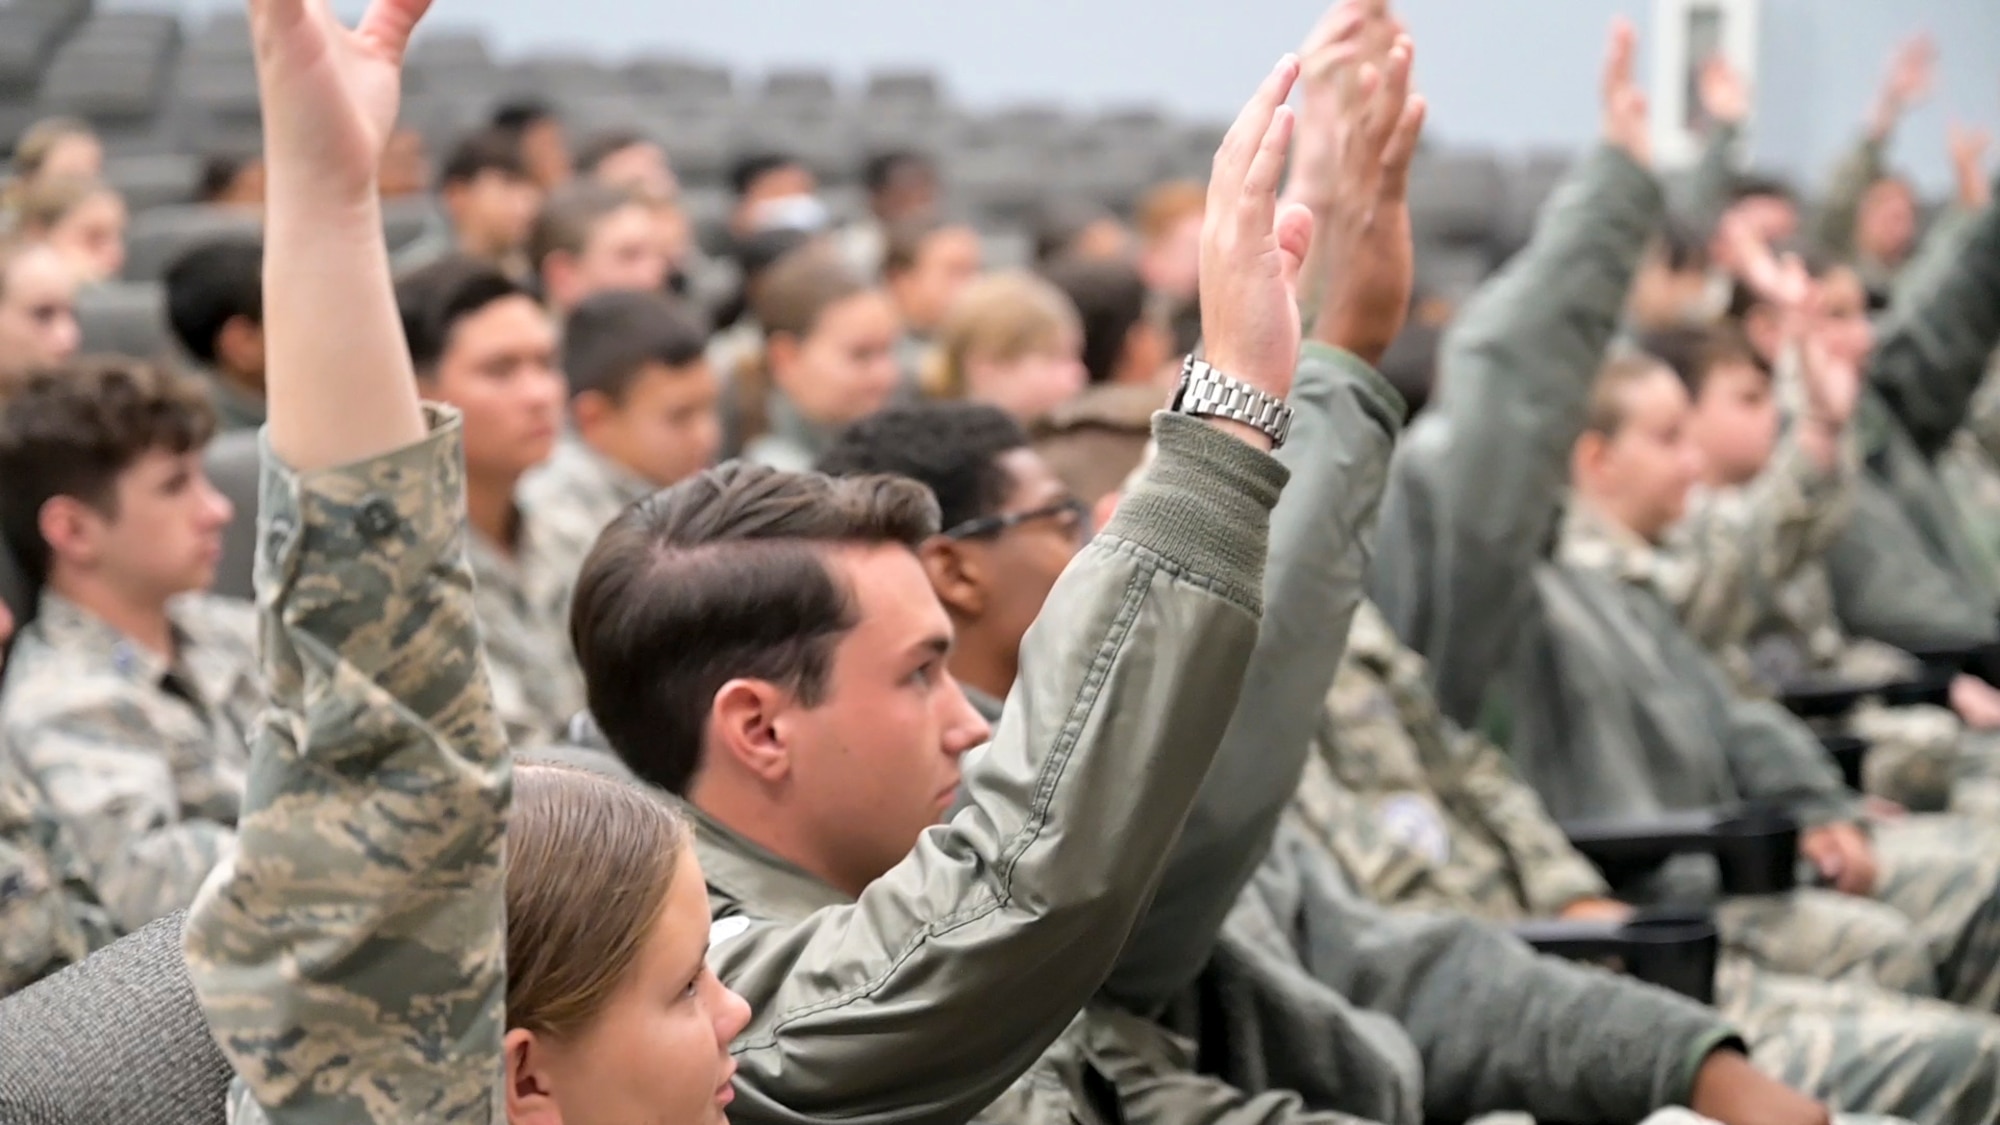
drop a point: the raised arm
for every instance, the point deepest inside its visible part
(350, 956)
(1725, 98)
(951, 974)
(1517, 370)
(1934, 348)
(1912, 72)
(1338, 455)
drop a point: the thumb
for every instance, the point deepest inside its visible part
(1294, 229)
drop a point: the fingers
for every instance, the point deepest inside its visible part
(1385, 109)
(389, 24)
(1402, 150)
(1257, 209)
(1618, 61)
(1248, 137)
(1295, 233)
(1341, 22)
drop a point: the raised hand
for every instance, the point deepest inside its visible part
(1627, 120)
(1251, 249)
(1912, 73)
(1832, 381)
(1346, 32)
(1725, 97)
(330, 94)
(1366, 229)
(1968, 163)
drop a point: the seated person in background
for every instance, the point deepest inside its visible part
(925, 268)
(774, 191)
(50, 916)
(38, 327)
(1008, 526)
(591, 239)
(1012, 340)
(232, 180)
(82, 220)
(215, 304)
(489, 204)
(829, 354)
(1097, 438)
(628, 159)
(539, 137)
(130, 697)
(57, 148)
(1168, 219)
(1075, 228)
(406, 165)
(480, 343)
(902, 188)
(1674, 287)
(643, 406)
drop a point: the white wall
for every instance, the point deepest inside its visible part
(1502, 72)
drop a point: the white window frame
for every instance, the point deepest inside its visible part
(1675, 143)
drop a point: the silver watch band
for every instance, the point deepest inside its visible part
(1208, 393)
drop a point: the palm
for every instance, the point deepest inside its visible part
(1722, 92)
(331, 94)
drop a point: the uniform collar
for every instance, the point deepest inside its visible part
(628, 486)
(71, 629)
(765, 886)
(1593, 542)
(794, 428)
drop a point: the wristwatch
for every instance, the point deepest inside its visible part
(1207, 393)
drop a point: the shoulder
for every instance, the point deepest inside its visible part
(218, 622)
(45, 684)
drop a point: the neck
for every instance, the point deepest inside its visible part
(745, 810)
(144, 624)
(991, 668)
(1611, 515)
(489, 507)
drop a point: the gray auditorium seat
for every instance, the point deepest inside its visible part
(682, 80)
(116, 1040)
(146, 182)
(157, 237)
(406, 220)
(113, 68)
(1455, 197)
(125, 318)
(904, 87)
(28, 37)
(801, 85)
(232, 463)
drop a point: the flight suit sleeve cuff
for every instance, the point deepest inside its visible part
(1379, 396)
(1722, 1038)
(1206, 505)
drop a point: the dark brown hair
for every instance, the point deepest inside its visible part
(723, 577)
(1606, 414)
(1694, 353)
(590, 860)
(72, 432)
(568, 216)
(801, 286)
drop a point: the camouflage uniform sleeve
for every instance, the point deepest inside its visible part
(49, 916)
(116, 798)
(1553, 873)
(1833, 226)
(1736, 548)
(350, 956)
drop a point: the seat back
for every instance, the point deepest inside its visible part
(233, 462)
(118, 1038)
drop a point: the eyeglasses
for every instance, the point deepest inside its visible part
(1073, 513)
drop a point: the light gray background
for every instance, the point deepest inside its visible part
(1505, 73)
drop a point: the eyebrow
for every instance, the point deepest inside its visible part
(935, 646)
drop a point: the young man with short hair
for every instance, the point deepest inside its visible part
(215, 304)
(130, 697)
(590, 238)
(1097, 438)
(539, 137)
(38, 327)
(645, 413)
(773, 190)
(490, 202)
(628, 159)
(903, 188)
(484, 345)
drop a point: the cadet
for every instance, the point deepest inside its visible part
(129, 696)
(38, 325)
(644, 414)
(590, 238)
(1420, 814)
(215, 303)
(481, 344)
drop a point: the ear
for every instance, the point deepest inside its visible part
(1587, 456)
(781, 354)
(590, 410)
(748, 726)
(531, 1096)
(71, 529)
(240, 344)
(957, 574)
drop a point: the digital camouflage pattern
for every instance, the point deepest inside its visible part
(568, 502)
(139, 758)
(1419, 829)
(379, 786)
(522, 603)
(49, 914)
